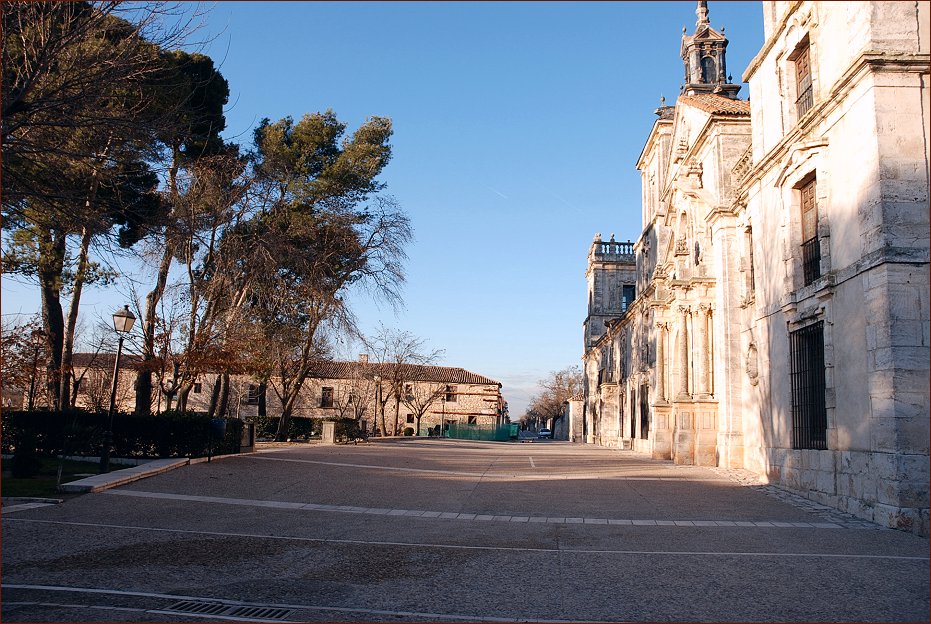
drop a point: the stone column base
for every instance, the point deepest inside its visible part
(696, 433)
(662, 434)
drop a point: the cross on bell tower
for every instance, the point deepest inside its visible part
(704, 57)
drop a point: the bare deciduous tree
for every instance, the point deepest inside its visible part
(395, 352)
(420, 397)
(555, 389)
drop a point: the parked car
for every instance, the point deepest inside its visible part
(544, 433)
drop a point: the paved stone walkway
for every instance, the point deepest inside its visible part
(450, 515)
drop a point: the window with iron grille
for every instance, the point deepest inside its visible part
(644, 411)
(803, 90)
(450, 394)
(326, 397)
(410, 418)
(811, 247)
(197, 387)
(809, 414)
(633, 414)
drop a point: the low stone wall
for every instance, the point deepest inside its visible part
(890, 489)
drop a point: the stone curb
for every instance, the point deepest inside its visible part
(98, 483)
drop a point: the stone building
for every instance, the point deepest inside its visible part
(781, 322)
(429, 395)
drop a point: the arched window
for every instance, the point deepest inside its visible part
(709, 70)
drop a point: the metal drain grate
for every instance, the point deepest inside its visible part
(191, 607)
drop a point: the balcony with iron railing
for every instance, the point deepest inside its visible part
(804, 102)
(811, 260)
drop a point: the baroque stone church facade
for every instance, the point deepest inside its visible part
(773, 314)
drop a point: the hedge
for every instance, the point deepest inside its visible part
(171, 434)
(302, 428)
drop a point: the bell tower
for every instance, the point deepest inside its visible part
(612, 276)
(704, 57)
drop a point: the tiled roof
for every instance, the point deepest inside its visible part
(104, 360)
(327, 369)
(717, 104)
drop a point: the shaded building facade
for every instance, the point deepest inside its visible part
(781, 319)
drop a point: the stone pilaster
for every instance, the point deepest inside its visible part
(660, 394)
(683, 390)
(703, 385)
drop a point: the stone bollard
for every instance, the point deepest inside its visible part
(329, 433)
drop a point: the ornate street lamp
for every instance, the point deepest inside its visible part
(123, 323)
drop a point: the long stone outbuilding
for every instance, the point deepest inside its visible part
(773, 314)
(412, 398)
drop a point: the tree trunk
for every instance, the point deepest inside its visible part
(215, 397)
(397, 411)
(144, 376)
(223, 406)
(183, 392)
(288, 401)
(65, 398)
(383, 429)
(51, 264)
(287, 407)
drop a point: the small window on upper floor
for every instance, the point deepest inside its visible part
(801, 60)
(811, 246)
(451, 394)
(628, 293)
(197, 387)
(326, 397)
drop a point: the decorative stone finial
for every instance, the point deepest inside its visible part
(597, 236)
(662, 100)
(702, 13)
(612, 237)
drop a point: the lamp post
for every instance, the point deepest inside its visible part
(377, 380)
(37, 336)
(123, 323)
(443, 419)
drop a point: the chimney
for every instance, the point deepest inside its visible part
(364, 358)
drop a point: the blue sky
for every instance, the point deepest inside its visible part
(517, 127)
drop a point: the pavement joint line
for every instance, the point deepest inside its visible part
(240, 603)
(608, 474)
(440, 515)
(556, 551)
(24, 506)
